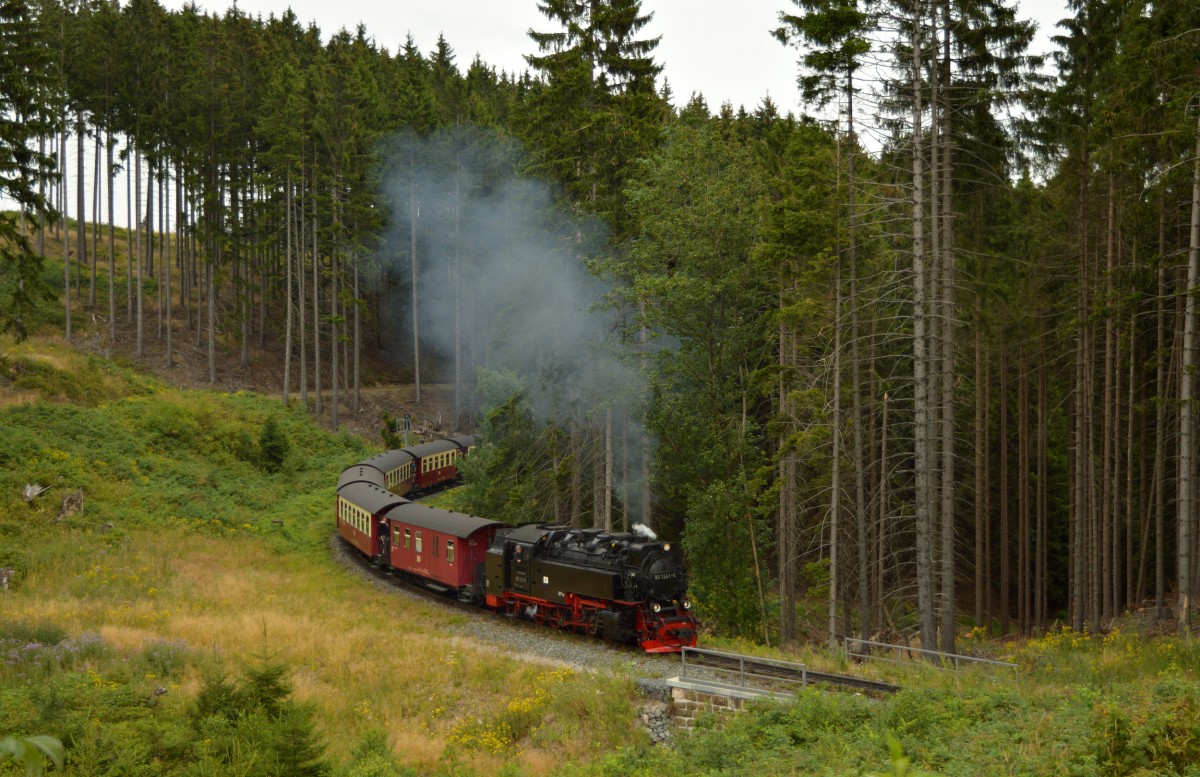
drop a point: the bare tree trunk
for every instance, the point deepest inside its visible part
(356, 405)
(1005, 583)
(1106, 454)
(136, 256)
(287, 263)
(836, 455)
(948, 356)
(165, 294)
(1081, 486)
(924, 549)
(457, 283)
(416, 310)
(1040, 579)
(1024, 423)
(112, 250)
(66, 240)
(81, 257)
(1160, 422)
(861, 513)
(787, 501)
(301, 295)
(608, 468)
(316, 300)
(980, 469)
(93, 256)
(1186, 377)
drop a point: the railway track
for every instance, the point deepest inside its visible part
(770, 673)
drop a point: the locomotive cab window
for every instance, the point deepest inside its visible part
(449, 551)
(407, 539)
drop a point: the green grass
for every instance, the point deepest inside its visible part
(196, 561)
(193, 558)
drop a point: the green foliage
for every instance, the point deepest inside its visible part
(89, 384)
(373, 757)
(273, 445)
(33, 653)
(255, 727)
(29, 751)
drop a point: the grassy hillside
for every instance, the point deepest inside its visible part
(156, 624)
(174, 608)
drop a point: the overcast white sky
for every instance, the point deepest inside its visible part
(721, 48)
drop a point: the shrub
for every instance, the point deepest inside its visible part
(273, 445)
(255, 728)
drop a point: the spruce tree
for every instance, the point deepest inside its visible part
(27, 99)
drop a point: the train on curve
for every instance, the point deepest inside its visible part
(626, 588)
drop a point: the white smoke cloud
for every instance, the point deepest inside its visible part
(644, 531)
(501, 251)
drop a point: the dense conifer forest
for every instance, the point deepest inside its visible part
(926, 354)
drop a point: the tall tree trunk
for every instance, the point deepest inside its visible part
(1186, 377)
(66, 242)
(357, 402)
(1003, 600)
(608, 469)
(81, 257)
(93, 254)
(836, 456)
(1023, 508)
(924, 549)
(861, 513)
(1107, 444)
(786, 509)
(1041, 501)
(165, 295)
(980, 468)
(136, 256)
(112, 249)
(316, 299)
(948, 355)
(416, 309)
(289, 314)
(1160, 421)
(1082, 486)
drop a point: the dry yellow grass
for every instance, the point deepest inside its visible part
(363, 657)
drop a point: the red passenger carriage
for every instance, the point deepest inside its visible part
(443, 547)
(434, 463)
(360, 508)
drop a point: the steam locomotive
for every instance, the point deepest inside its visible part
(622, 587)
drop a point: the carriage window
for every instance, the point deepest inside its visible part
(450, 551)
(418, 542)
(395, 535)
(407, 539)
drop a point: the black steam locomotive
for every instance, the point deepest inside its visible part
(622, 587)
(626, 588)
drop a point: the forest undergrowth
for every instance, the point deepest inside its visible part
(173, 609)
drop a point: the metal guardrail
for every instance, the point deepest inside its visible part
(744, 667)
(951, 660)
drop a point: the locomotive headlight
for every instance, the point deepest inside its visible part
(666, 547)
(687, 604)
(656, 607)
